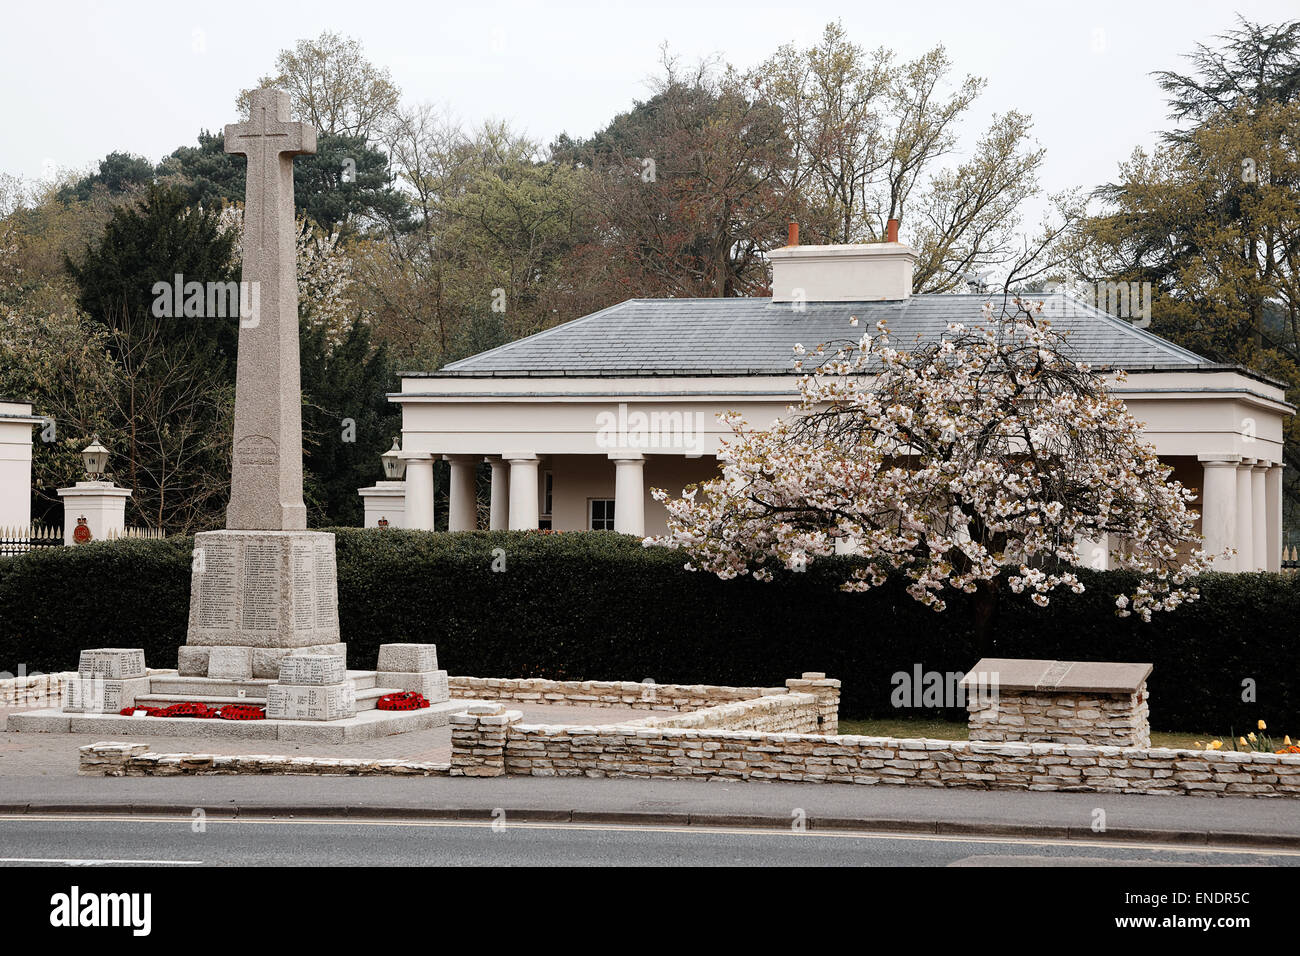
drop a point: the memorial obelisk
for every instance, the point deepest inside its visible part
(265, 586)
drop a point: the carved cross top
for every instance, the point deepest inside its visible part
(269, 130)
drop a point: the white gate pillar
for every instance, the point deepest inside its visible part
(101, 503)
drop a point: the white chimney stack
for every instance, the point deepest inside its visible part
(860, 272)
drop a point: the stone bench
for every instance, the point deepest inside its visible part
(1063, 702)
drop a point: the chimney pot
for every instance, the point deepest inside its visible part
(793, 239)
(892, 230)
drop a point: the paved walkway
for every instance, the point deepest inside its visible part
(28, 755)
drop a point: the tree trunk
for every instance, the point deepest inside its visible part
(985, 607)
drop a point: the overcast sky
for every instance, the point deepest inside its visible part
(83, 79)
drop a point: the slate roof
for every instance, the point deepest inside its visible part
(754, 336)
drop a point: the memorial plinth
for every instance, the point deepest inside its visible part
(267, 593)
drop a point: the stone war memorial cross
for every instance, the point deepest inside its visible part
(266, 483)
(265, 586)
(262, 656)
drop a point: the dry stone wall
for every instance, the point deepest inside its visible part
(35, 690)
(1106, 720)
(774, 714)
(764, 737)
(599, 693)
(668, 753)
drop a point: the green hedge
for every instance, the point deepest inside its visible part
(599, 606)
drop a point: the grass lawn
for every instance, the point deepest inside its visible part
(952, 730)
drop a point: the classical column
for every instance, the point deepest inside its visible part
(523, 490)
(1273, 516)
(499, 513)
(1259, 517)
(419, 490)
(1245, 517)
(1219, 509)
(629, 492)
(462, 508)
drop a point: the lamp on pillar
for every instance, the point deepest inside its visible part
(95, 458)
(387, 497)
(394, 467)
(99, 504)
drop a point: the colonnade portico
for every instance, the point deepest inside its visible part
(571, 452)
(515, 490)
(1241, 507)
(1240, 501)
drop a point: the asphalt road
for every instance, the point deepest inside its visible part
(936, 811)
(173, 841)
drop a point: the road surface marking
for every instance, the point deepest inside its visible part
(71, 861)
(696, 829)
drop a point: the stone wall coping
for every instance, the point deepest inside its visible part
(1016, 674)
(850, 741)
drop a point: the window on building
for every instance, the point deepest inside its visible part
(601, 511)
(544, 518)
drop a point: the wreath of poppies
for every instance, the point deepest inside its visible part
(191, 708)
(407, 700)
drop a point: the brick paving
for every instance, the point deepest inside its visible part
(31, 755)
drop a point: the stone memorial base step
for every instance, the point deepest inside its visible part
(214, 691)
(364, 726)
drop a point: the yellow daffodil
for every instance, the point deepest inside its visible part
(1250, 737)
(1216, 745)
(1263, 726)
(1241, 741)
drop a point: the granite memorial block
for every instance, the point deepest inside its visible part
(408, 658)
(432, 684)
(231, 663)
(311, 701)
(114, 663)
(101, 695)
(313, 669)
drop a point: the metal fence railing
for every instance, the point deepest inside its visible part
(22, 540)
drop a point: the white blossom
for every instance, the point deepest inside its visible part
(989, 453)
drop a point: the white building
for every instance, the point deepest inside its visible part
(580, 421)
(16, 421)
